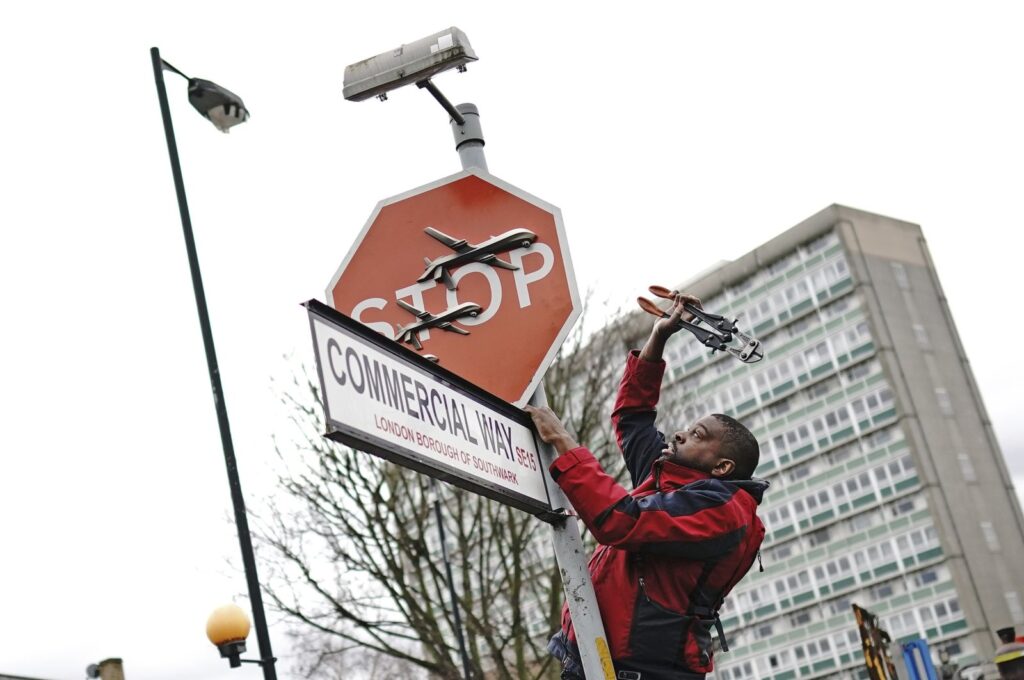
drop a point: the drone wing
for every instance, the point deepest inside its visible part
(447, 325)
(418, 313)
(495, 261)
(458, 245)
(410, 335)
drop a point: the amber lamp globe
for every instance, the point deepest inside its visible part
(227, 627)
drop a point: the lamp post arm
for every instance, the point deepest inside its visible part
(429, 86)
(241, 521)
(262, 662)
(167, 65)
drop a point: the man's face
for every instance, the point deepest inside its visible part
(698, 447)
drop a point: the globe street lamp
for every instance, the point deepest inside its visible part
(227, 628)
(225, 110)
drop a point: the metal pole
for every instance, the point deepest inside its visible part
(244, 539)
(565, 536)
(571, 555)
(466, 673)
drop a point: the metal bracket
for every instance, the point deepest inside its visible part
(429, 86)
(557, 516)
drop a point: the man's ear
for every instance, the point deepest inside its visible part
(723, 468)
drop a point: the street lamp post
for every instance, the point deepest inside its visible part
(224, 110)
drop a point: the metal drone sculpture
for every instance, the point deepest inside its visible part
(466, 253)
(410, 333)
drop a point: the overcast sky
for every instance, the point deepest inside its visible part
(671, 135)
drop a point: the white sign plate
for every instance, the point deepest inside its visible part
(386, 400)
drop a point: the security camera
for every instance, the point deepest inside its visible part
(407, 64)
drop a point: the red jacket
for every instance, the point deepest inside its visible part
(670, 550)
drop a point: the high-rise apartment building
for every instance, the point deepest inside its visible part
(888, 488)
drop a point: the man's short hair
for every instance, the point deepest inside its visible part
(739, 446)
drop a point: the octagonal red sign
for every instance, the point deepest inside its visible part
(471, 270)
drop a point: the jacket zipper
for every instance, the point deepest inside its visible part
(643, 589)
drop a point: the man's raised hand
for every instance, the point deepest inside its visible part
(666, 327)
(550, 428)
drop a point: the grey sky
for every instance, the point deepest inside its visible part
(671, 135)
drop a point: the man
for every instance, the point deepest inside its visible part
(676, 545)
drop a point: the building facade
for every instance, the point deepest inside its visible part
(888, 488)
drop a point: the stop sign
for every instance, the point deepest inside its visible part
(468, 269)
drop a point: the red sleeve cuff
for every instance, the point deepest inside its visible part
(643, 369)
(570, 458)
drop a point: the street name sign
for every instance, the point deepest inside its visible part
(470, 270)
(384, 399)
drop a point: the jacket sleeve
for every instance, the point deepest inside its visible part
(702, 520)
(633, 415)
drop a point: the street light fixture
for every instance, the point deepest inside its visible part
(219, 105)
(222, 107)
(225, 110)
(415, 62)
(227, 628)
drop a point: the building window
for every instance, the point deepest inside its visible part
(839, 606)
(779, 408)
(859, 371)
(783, 264)
(945, 403)
(798, 473)
(900, 273)
(862, 521)
(926, 577)
(877, 439)
(1013, 604)
(781, 552)
(989, 532)
(744, 285)
(821, 389)
(801, 618)
(819, 537)
(822, 242)
(921, 335)
(966, 467)
(843, 453)
(836, 309)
